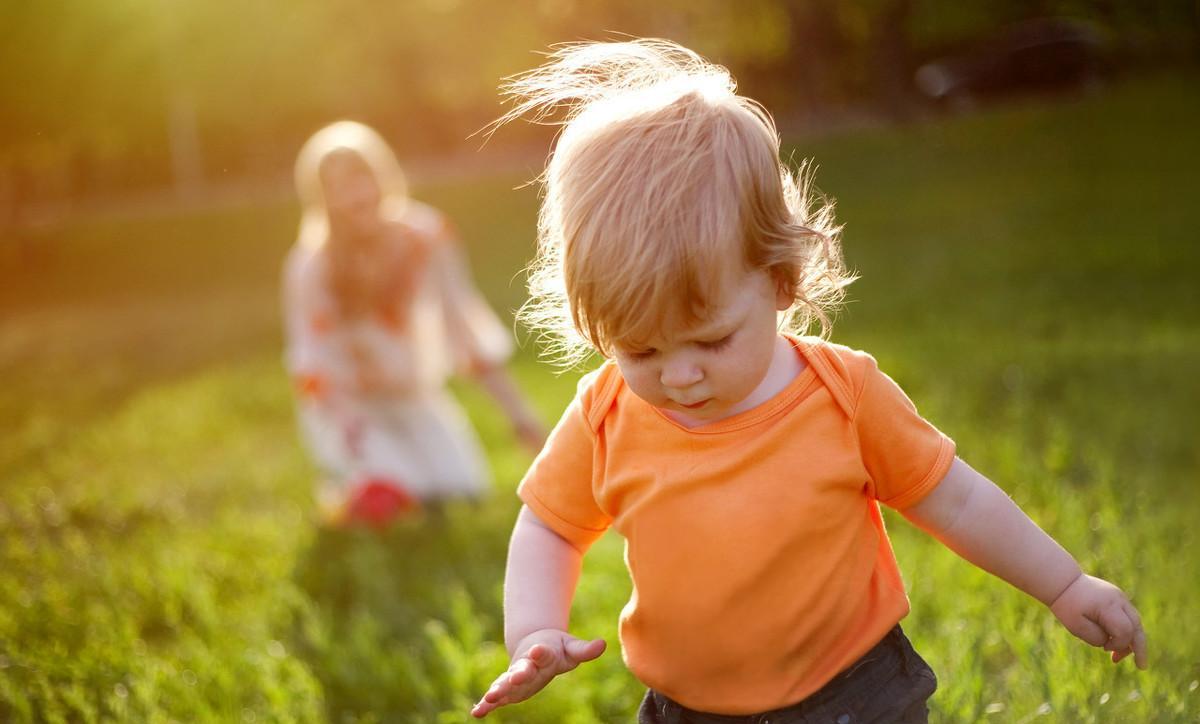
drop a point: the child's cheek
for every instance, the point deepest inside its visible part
(639, 380)
(644, 387)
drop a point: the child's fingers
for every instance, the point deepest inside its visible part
(1140, 646)
(1119, 629)
(541, 655)
(508, 687)
(1122, 624)
(1132, 613)
(498, 690)
(498, 695)
(1088, 630)
(580, 651)
(528, 673)
(1127, 635)
(522, 671)
(1140, 642)
(485, 707)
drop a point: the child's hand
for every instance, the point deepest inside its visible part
(538, 658)
(1098, 612)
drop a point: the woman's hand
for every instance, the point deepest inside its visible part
(526, 425)
(373, 380)
(1100, 613)
(537, 658)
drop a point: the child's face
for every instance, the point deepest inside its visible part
(711, 370)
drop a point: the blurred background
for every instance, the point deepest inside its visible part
(1018, 184)
(105, 100)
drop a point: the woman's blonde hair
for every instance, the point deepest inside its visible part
(369, 147)
(661, 169)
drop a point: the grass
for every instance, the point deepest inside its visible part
(1028, 275)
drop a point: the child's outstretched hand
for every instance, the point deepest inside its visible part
(538, 658)
(1099, 613)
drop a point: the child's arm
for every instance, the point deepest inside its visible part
(978, 521)
(543, 569)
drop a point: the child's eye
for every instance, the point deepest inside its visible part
(718, 344)
(640, 354)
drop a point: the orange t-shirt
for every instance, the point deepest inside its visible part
(760, 563)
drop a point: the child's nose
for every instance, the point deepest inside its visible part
(680, 374)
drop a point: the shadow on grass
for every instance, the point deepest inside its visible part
(403, 621)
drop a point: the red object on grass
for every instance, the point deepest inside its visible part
(378, 502)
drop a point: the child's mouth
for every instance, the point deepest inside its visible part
(695, 405)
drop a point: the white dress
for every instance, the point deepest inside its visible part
(416, 437)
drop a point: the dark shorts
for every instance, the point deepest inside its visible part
(890, 683)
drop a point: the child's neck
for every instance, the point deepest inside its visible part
(786, 365)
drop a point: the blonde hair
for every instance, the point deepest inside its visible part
(365, 144)
(659, 171)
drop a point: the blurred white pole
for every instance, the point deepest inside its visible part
(187, 161)
(187, 164)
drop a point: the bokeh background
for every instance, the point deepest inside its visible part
(1018, 183)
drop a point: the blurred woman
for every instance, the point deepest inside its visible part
(379, 312)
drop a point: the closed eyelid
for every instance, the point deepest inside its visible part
(710, 344)
(639, 354)
(716, 343)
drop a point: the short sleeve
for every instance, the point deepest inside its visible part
(307, 324)
(905, 455)
(558, 486)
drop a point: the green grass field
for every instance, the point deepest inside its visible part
(1029, 275)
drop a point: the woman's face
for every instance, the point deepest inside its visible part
(352, 195)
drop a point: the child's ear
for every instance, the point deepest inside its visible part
(785, 292)
(783, 300)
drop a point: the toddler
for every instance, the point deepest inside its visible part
(743, 463)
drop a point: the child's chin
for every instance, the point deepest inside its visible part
(710, 411)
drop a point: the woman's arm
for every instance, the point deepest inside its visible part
(539, 583)
(500, 384)
(979, 522)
